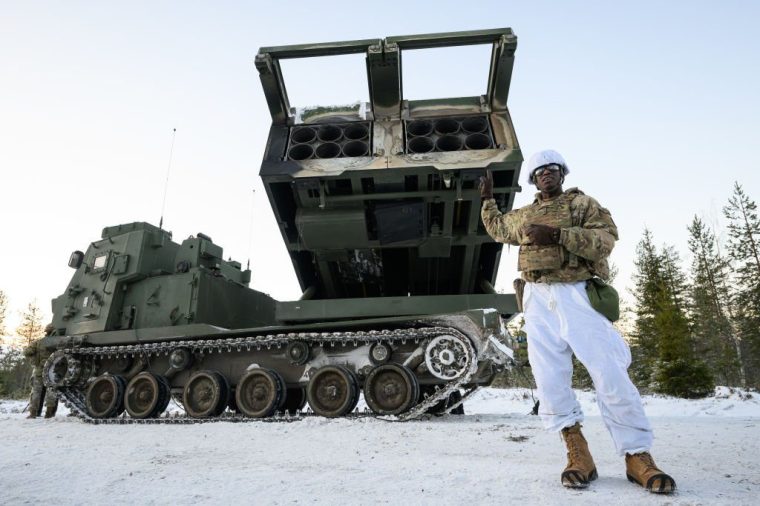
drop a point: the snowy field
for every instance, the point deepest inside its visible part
(496, 454)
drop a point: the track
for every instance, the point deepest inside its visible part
(72, 397)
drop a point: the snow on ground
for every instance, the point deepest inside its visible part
(496, 454)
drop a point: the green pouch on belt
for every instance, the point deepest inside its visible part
(604, 298)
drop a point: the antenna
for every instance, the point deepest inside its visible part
(166, 183)
(250, 228)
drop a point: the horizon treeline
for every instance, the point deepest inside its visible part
(697, 326)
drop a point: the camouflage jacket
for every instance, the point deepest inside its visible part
(587, 236)
(36, 354)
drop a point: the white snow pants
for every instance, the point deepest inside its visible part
(560, 321)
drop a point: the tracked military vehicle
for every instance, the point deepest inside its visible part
(379, 209)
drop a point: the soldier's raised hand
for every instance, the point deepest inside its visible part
(486, 186)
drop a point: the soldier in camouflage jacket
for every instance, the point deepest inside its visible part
(37, 356)
(585, 237)
(565, 238)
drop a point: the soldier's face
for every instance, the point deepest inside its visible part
(549, 179)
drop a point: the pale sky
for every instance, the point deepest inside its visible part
(653, 104)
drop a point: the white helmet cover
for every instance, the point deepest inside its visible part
(546, 157)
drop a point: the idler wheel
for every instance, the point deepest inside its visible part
(295, 400)
(391, 389)
(298, 352)
(260, 392)
(61, 370)
(146, 396)
(206, 394)
(105, 396)
(333, 391)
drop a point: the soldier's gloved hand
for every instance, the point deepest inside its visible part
(486, 186)
(542, 235)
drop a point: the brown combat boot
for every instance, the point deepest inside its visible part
(580, 469)
(640, 468)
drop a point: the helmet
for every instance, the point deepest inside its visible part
(545, 157)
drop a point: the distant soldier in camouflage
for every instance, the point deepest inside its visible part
(37, 356)
(565, 238)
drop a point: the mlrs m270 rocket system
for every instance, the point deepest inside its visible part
(379, 209)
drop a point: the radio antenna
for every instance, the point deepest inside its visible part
(250, 228)
(166, 183)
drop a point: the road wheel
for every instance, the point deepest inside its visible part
(333, 391)
(259, 393)
(144, 397)
(391, 389)
(206, 394)
(105, 396)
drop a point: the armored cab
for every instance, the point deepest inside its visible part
(136, 278)
(378, 206)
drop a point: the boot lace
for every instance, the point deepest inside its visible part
(647, 460)
(573, 448)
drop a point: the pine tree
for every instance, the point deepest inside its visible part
(31, 327)
(678, 370)
(715, 339)
(744, 250)
(674, 277)
(662, 339)
(647, 280)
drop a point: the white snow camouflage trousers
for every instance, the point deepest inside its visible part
(560, 321)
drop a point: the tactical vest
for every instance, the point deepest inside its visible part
(555, 213)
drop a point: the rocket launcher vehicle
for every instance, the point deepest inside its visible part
(378, 206)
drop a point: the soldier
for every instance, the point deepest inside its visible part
(37, 356)
(565, 238)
